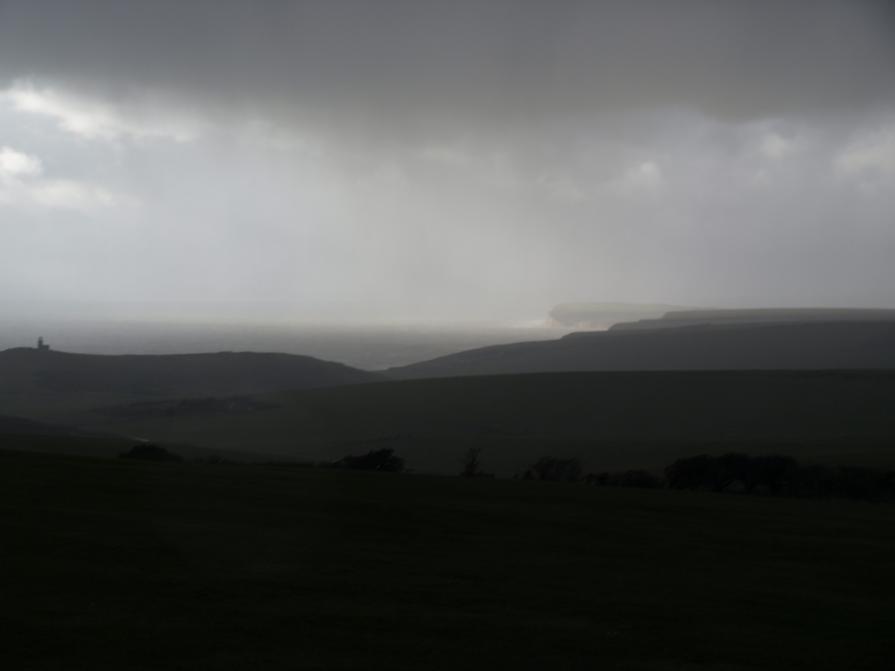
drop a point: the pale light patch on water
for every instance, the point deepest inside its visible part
(368, 347)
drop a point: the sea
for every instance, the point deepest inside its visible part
(370, 347)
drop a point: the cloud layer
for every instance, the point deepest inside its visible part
(441, 160)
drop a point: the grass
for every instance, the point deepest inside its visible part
(110, 564)
(611, 421)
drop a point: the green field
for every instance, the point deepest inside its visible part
(111, 564)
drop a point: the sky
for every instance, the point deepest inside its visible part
(412, 160)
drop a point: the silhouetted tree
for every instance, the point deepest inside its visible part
(556, 470)
(730, 469)
(775, 473)
(864, 483)
(690, 473)
(599, 479)
(471, 463)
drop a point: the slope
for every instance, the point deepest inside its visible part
(610, 420)
(796, 346)
(53, 385)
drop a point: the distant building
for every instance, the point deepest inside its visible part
(41, 345)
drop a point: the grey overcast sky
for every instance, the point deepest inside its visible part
(453, 160)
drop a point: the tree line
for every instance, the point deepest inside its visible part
(774, 475)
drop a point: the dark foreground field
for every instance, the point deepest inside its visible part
(108, 564)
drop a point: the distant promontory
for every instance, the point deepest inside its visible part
(604, 315)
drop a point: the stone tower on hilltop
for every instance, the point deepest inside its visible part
(41, 345)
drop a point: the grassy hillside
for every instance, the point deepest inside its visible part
(112, 564)
(609, 420)
(24, 434)
(794, 346)
(51, 385)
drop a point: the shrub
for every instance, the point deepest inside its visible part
(471, 463)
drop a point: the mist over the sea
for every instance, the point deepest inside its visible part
(367, 347)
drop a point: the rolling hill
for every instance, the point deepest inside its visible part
(56, 386)
(24, 435)
(17, 433)
(609, 420)
(752, 346)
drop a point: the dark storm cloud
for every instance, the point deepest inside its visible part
(413, 159)
(398, 65)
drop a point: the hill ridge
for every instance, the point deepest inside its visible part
(45, 384)
(748, 346)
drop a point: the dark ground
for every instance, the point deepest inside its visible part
(109, 564)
